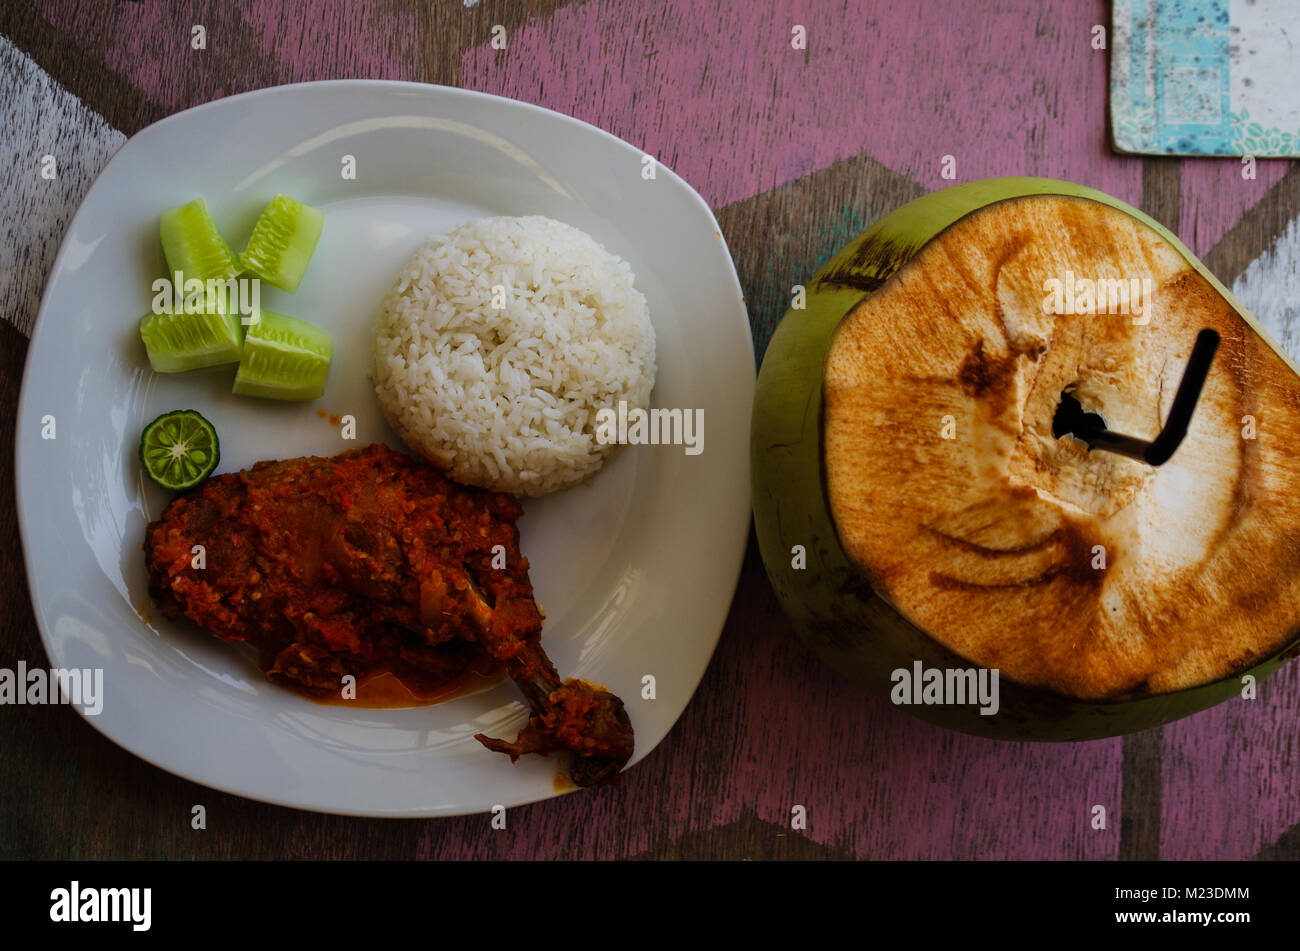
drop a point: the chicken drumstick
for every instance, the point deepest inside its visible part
(372, 561)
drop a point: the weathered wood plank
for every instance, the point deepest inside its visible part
(41, 119)
(1214, 196)
(716, 91)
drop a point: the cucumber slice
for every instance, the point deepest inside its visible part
(282, 242)
(193, 245)
(178, 450)
(180, 341)
(284, 359)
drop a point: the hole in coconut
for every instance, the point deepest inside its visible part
(1072, 419)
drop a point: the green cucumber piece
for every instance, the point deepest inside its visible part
(193, 245)
(284, 359)
(282, 242)
(178, 342)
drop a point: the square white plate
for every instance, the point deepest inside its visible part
(635, 569)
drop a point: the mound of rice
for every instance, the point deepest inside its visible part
(506, 397)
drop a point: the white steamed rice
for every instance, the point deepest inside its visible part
(507, 398)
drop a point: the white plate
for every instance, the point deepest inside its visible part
(636, 569)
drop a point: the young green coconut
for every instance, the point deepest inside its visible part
(918, 499)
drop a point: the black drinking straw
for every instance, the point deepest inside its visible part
(1092, 429)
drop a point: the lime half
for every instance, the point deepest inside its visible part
(179, 449)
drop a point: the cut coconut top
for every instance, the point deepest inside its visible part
(1083, 572)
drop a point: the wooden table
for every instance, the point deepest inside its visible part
(797, 150)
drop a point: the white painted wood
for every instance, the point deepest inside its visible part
(38, 118)
(1267, 286)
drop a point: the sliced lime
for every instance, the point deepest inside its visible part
(282, 242)
(284, 359)
(179, 449)
(193, 245)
